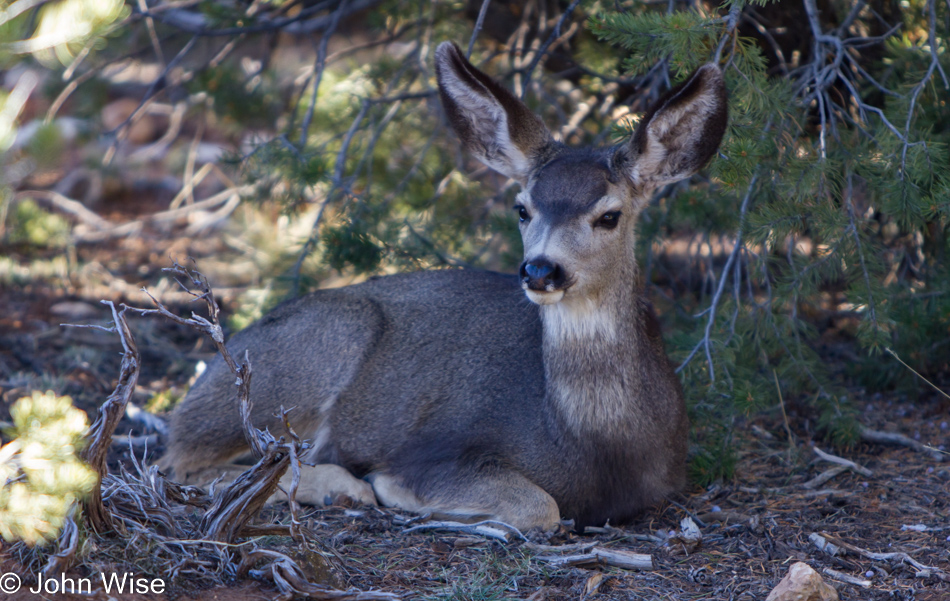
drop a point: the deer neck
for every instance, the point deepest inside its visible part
(592, 360)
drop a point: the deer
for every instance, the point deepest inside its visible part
(526, 398)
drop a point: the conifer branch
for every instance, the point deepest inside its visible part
(706, 341)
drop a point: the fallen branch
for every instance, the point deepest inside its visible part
(598, 556)
(488, 528)
(835, 546)
(825, 476)
(66, 205)
(842, 577)
(785, 491)
(893, 438)
(854, 467)
(582, 547)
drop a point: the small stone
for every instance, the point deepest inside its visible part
(76, 310)
(688, 538)
(802, 584)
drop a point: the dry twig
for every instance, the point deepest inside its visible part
(843, 462)
(489, 528)
(599, 556)
(842, 577)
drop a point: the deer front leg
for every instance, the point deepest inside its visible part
(320, 485)
(497, 494)
(325, 484)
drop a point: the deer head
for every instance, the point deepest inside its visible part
(578, 207)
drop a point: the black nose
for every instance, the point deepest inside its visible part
(542, 274)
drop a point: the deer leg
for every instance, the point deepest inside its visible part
(325, 484)
(499, 494)
(320, 485)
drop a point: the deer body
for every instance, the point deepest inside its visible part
(472, 394)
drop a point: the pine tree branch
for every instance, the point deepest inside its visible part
(318, 68)
(706, 341)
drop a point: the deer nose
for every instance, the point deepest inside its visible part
(542, 274)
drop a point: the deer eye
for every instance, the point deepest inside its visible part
(608, 220)
(522, 213)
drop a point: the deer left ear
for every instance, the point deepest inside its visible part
(682, 131)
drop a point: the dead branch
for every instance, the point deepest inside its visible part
(599, 556)
(835, 546)
(292, 583)
(68, 545)
(825, 476)
(67, 205)
(100, 434)
(842, 577)
(242, 500)
(571, 547)
(842, 461)
(489, 528)
(894, 438)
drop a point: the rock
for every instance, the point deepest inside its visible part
(802, 584)
(75, 310)
(688, 537)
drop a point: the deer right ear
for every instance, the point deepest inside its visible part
(493, 125)
(682, 132)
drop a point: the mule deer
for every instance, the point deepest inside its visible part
(474, 394)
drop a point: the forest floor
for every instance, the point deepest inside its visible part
(754, 526)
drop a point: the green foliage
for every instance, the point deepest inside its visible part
(652, 36)
(46, 145)
(28, 223)
(242, 103)
(42, 479)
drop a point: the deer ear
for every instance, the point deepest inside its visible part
(493, 125)
(682, 131)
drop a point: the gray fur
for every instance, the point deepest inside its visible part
(453, 393)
